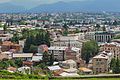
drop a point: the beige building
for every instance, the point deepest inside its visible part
(74, 43)
(113, 47)
(101, 62)
(60, 52)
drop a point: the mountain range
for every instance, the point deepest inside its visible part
(73, 6)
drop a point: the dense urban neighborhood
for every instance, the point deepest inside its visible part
(45, 45)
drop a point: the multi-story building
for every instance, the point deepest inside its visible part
(90, 35)
(113, 47)
(102, 36)
(60, 52)
(77, 44)
(101, 62)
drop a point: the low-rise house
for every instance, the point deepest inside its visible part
(36, 58)
(5, 55)
(5, 37)
(85, 71)
(24, 56)
(68, 64)
(65, 74)
(27, 63)
(8, 45)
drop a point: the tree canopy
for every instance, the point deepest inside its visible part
(115, 65)
(89, 49)
(34, 39)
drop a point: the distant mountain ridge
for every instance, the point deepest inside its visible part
(10, 8)
(74, 6)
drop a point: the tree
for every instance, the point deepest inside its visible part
(33, 49)
(22, 23)
(27, 45)
(115, 66)
(36, 38)
(37, 25)
(115, 23)
(104, 28)
(46, 58)
(15, 38)
(51, 59)
(65, 26)
(5, 28)
(112, 63)
(47, 38)
(89, 49)
(77, 30)
(97, 27)
(65, 32)
(18, 62)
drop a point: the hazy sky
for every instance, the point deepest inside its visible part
(40, 1)
(33, 3)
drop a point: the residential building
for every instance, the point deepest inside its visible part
(113, 47)
(5, 55)
(42, 48)
(77, 44)
(5, 37)
(8, 45)
(101, 62)
(24, 56)
(68, 64)
(60, 52)
(90, 35)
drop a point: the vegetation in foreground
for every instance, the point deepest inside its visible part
(8, 75)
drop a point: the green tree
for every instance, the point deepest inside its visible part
(15, 38)
(65, 32)
(33, 49)
(115, 23)
(27, 45)
(89, 49)
(104, 28)
(115, 66)
(46, 58)
(97, 27)
(18, 62)
(51, 61)
(77, 31)
(5, 28)
(22, 23)
(47, 38)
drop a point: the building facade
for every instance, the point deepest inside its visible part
(113, 47)
(101, 62)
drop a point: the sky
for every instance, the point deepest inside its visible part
(34, 3)
(41, 1)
